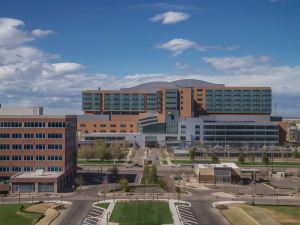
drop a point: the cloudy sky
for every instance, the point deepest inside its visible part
(52, 50)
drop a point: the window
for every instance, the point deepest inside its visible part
(4, 146)
(10, 124)
(16, 135)
(16, 146)
(4, 157)
(40, 157)
(40, 146)
(28, 157)
(54, 157)
(16, 158)
(102, 125)
(28, 135)
(131, 125)
(112, 131)
(40, 135)
(28, 147)
(54, 146)
(123, 125)
(34, 124)
(4, 169)
(82, 125)
(4, 135)
(56, 124)
(113, 125)
(54, 135)
(28, 168)
(16, 169)
(54, 168)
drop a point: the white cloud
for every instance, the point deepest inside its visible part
(226, 63)
(170, 17)
(41, 33)
(28, 76)
(11, 33)
(182, 65)
(178, 45)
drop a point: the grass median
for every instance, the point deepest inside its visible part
(141, 213)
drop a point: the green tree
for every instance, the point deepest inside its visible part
(153, 174)
(79, 180)
(295, 154)
(265, 159)
(102, 152)
(192, 153)
(146, 172)
(162, 184)
(86, 152)
(117, 152)
(241, 158)
(114, 172)
(124, 184)
(215, 158)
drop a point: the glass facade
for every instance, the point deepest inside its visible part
(151, 101)
(91, 101)
(241, 135)
(171, 99)
(239, 101)
(124, 102)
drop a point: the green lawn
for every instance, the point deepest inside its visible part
(141, 213)
(262, 214)
(105, 162)
(275, 164)
(103, 205)
(10, 215)
(182, 161)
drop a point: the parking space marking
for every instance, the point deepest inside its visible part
(93, 216)
(187, 216)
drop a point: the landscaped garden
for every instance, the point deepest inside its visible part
(14, 214)
(141, 213)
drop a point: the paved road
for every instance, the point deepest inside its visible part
(207, 215)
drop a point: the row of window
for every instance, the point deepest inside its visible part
(28, 168)
(30, 157)
(32, 124)
(31, 135)
(104, 125)
(30, 146)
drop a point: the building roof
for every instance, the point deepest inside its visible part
(37, 175)
(219, 165)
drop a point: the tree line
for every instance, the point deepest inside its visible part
(100, 150)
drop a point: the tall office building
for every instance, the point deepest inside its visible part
(34, 142)
(180, 113)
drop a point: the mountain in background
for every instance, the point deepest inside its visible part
(156, 85)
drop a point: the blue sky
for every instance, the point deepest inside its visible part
(51, 50)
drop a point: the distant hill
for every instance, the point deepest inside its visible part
(155, 86)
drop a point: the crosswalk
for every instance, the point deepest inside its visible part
(93, 217)
(186, 215)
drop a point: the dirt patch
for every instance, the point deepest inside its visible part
(39, 208)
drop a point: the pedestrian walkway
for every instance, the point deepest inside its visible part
(186, 215)
(93, 217)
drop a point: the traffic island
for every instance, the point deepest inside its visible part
(139, 212)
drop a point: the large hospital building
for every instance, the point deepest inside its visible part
(180, 113)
